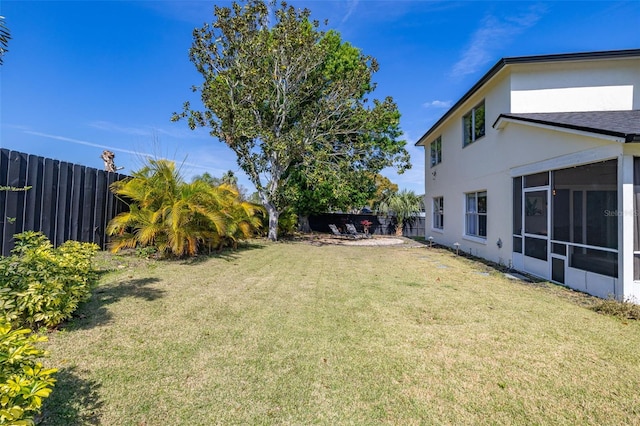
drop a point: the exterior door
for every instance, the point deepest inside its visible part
(536, 231)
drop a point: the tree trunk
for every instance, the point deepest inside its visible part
(399, 227)
(274, 214)
(303, 224)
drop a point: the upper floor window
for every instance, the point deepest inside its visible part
(438, 213)
(436, 151)
(473, 124)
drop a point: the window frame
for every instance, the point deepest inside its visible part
(472, 116)
(476, 215)
(435, 145)
(437, 217)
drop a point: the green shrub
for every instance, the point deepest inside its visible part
(23, 380)
(146, 252)
(287, 222)
(42, 285)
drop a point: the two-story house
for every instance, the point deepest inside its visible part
(537, 167)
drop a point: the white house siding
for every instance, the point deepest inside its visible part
(466, 170)
(576, 86)
(628, 288)
(487, 165)
(517, 149)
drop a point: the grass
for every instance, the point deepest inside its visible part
(294, 333)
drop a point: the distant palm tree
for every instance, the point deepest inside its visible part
(403, 205)
(5, 36)
(176, 217)
(228, 177)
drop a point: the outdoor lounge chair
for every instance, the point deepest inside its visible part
(351, 229)
(336, 232)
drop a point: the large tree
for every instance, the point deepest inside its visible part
(288, 98)
(319, 190)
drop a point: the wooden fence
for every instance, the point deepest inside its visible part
(65, 201)
(381, 225)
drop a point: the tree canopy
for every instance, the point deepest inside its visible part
(384, 189)
(290, 100)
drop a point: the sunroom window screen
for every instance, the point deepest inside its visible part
(584, 211)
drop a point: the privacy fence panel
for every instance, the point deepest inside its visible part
(381, 225)
(65, 201)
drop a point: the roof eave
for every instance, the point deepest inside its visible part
(488, 76)
(504, 119)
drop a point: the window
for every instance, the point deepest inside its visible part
(517, 206)
(436, 151)
(584, 216)
(585, 205)
(438, 213)
(538, 179)
(476, 214)
(473, 124)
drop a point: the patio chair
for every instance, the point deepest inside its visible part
(351, 230)
(336, 232)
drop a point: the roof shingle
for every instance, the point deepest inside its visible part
(622, 124)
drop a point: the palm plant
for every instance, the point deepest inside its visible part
(176, 217)
(243, 220)
(403, 205)
(5, 36)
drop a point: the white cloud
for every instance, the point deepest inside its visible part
(351, 7)
(204, 162)
(110, 127)
(493, 34)
(437, 104)
(81, 142)
(179, 133)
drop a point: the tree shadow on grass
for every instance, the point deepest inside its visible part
(95, 311)
(74, 401)
(228, 254)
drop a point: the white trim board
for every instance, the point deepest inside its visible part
(575, 159)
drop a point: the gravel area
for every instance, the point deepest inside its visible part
(376, 240)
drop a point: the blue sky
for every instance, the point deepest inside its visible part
(83, 76)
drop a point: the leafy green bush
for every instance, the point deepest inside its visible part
(42, 285)
(146, 252)
(23, 380)
(287, 222)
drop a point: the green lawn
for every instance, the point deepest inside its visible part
(295, 333)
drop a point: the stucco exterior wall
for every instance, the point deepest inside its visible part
(571, 86)
(516, 149)
(463, 170)
(489, 164)
(629, 289)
